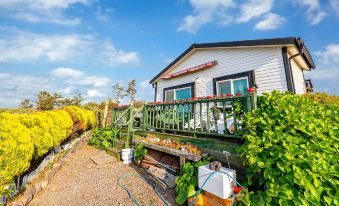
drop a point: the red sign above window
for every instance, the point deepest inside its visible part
(191, 70)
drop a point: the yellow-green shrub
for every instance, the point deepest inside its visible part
(24, 136)
(63, 124)
(16, 148)
(47, 129)
(85, 117)
(91, 118)
(323, 98)
(39, 127)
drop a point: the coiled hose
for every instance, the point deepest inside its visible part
(131, 196)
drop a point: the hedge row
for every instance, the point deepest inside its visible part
(24, 137)
(291, 151)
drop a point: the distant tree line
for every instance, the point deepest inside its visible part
(47, 101)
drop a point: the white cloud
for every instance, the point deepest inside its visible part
(67, 72)
(67, 91)
(222, 12)
(67, 81)
(330, 54)
(22, 46)
(271, 21)
(145, 91)
(114, 56)
(103, 14)
(314, 13)
(94, 93)
(254, 8)
(80, 78)
(17, 45)
(205, 12)
(49, 11)
(325, 77)
(145, 84)
(14, 88)
(334, 4)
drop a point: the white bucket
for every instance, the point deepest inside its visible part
(220, 184)
(127, 155)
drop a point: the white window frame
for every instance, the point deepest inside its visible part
(175, 94)
(231, 80)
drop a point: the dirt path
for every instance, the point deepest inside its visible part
(81, 182)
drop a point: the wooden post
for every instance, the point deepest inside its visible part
(103, 123)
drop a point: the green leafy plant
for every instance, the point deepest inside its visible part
(139, 151)
(102, 138)
(291, 149)
(187, 181)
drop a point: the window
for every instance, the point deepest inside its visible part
(234, 83)
(232, 86)
(178, 94)
(169, 95)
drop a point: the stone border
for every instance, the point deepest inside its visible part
(31, 190)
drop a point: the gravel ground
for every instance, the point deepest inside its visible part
(81, 182)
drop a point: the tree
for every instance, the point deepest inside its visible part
(75, 101)
(26, 104)
(118, 92)
(47, 101)
(131, 91)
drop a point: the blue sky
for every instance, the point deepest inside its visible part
(72, 46)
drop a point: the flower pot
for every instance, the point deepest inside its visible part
(251, 90)
(127, 155)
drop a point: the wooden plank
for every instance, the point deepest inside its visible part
(171, 151)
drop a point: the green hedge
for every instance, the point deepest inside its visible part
(291, 149)
(24, 137)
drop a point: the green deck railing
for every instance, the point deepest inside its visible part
(122, 121)
(219, 116)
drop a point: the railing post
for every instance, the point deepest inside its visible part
(129, 126)
(251, 101)
(112, 117)
(144, 120)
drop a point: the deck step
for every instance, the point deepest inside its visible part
(115, 152)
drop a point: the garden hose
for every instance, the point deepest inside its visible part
(147, 181)
(202, 186)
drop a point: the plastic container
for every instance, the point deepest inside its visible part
(219, 184)
(127, 155)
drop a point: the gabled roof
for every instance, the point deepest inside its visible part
(297, 42)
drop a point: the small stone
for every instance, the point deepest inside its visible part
(18, 203)
(28, 195)
(43, 184)
(37, 188)
(57, 166)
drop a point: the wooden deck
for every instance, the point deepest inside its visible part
(182, 155)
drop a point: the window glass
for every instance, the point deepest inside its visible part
(169, 95)
(239, 85)
(183, 93)
(224, 87)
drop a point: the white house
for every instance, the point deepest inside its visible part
(231, 67)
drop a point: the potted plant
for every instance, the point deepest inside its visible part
(139, 153)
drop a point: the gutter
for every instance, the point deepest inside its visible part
(155, 91)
